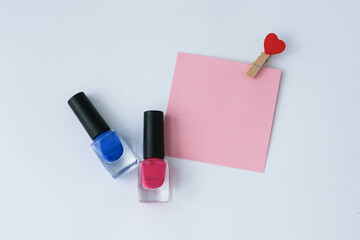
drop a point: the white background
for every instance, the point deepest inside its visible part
(122, 54)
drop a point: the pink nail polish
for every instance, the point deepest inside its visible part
(154, 170)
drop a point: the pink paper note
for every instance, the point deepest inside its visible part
(217, 114)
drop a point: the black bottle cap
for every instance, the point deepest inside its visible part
(89, 117)
(153, 134)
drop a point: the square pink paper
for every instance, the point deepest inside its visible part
(217, 114)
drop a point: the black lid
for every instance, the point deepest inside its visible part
(153, 134)
(89, 117)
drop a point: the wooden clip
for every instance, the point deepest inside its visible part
(257, 65)
(272, 45)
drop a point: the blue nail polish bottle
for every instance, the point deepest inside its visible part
(110, 147)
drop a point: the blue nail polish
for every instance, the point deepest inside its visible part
(108, 145)
(114, 153)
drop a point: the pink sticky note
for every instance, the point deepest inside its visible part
(217, 114)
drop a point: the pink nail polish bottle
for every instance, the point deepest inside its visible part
(154, 170)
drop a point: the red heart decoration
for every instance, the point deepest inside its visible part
(273, 45)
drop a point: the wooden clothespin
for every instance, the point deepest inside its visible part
(272, 45)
